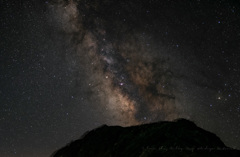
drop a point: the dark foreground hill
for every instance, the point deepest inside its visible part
(181, 138)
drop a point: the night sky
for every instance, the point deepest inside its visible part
(67, 67)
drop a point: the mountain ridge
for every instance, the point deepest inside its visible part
(177, 138)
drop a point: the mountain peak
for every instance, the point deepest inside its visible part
(178, 138)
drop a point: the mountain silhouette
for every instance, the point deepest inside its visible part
(180, 138)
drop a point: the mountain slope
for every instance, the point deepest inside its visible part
(178, 138)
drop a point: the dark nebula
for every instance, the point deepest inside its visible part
(69, 66)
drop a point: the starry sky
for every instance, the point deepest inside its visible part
(69, 66)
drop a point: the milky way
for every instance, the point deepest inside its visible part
(132, 75)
